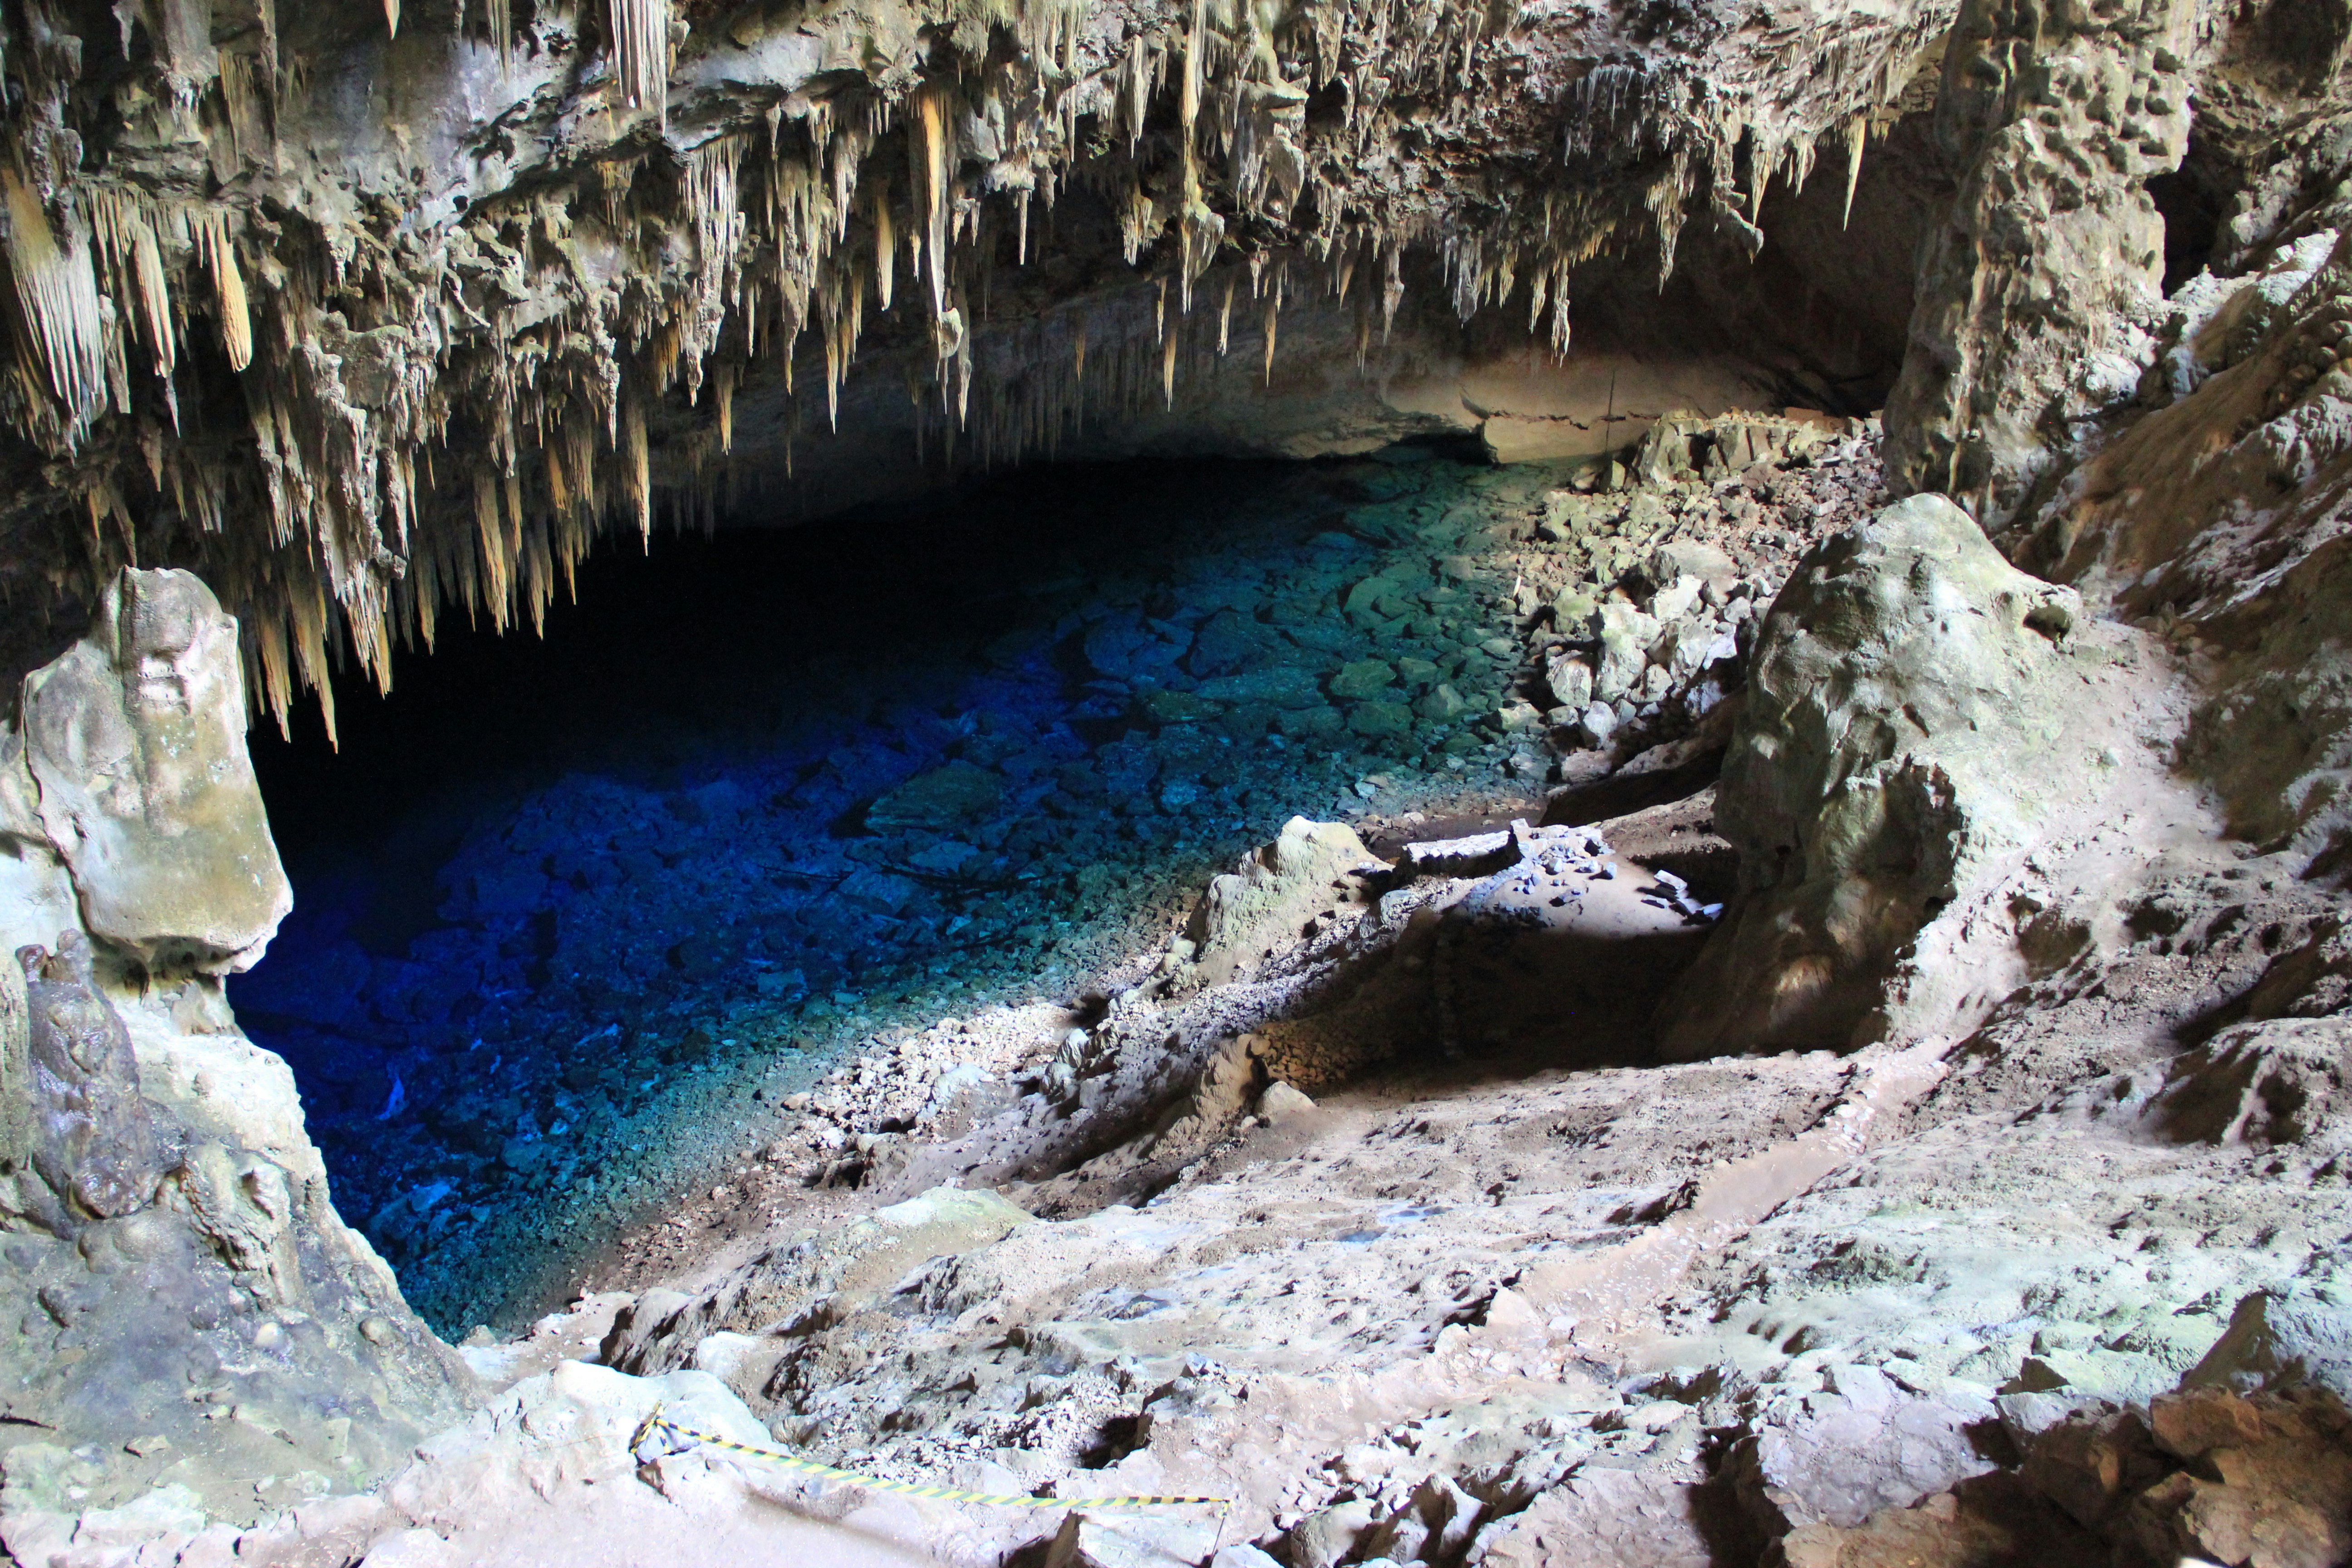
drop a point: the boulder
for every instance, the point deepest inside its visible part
(1914, 709)
(2283, 1081)
(1612, 1518)
(1131, 1541)
(2281, 1339)
(949, 796)
(1260, 906)
(1868, 1445)
(1380, 720)
(136, 737)
(1683, 445)
(1625, 634)
(1691, 558)
(1569, 678)
(1281, 1103)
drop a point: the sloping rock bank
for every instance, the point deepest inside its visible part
(195, 1331)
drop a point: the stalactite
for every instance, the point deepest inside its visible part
(490, 540)
(1857, 132)
(392, 18)
(62, 338)
(640, 33)
(127, 241)
(211, 231)
(638, 467)
(931, 161)
(779, 245)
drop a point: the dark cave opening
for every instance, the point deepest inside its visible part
(2191, 200)
(576, 912)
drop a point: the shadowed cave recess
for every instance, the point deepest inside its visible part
(1518, 784)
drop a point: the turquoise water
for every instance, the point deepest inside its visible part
(572, 914)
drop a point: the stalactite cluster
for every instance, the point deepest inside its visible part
(362, 391)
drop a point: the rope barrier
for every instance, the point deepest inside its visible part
(657, 1422)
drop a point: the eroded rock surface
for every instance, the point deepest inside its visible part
(195, 1334)
(1916, 726)
(135, 741)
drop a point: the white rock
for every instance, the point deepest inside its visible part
(1281, 1103)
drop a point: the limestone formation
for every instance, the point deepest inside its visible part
(173, 1229)
(1260, 907)
(1902, 740)
(91, 1141)
(2040, 289)
(1923, 1143)
(135, 740)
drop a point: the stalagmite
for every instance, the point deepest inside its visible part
(1225, 316)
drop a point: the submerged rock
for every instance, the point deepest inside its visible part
(944, 798)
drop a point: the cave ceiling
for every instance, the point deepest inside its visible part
(376, 315)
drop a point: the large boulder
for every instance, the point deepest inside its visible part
(1915, 713)
(1261, 905)
(135, 739)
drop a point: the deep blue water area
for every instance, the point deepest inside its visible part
(572, 913)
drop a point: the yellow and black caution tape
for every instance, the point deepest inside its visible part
(656, 1422)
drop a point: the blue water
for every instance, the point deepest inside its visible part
(572, 913)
